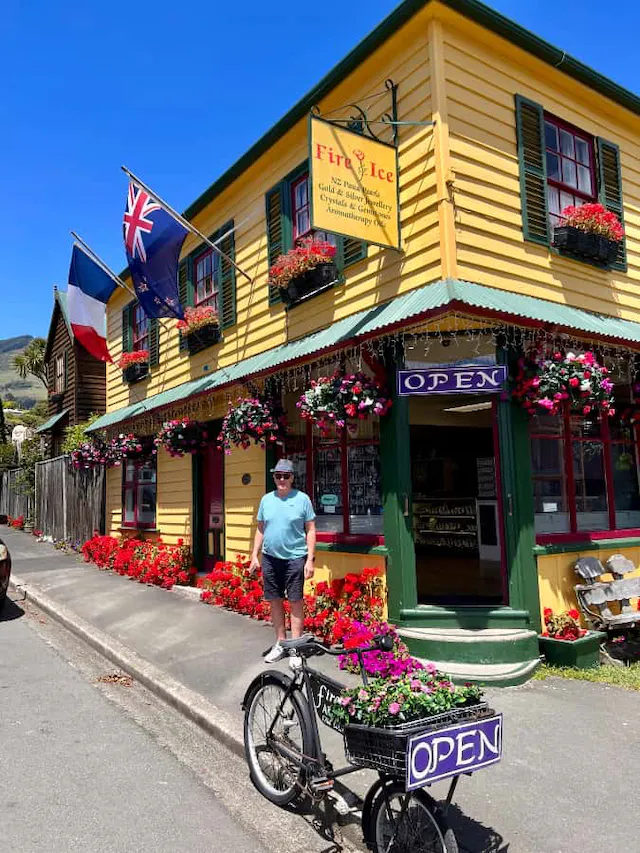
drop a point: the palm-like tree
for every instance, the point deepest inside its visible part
(31, 361)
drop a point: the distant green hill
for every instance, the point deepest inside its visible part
(24, 391)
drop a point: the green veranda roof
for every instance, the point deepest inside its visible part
(445, 294)
(47, 425)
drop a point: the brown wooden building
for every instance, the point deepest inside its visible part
(76, 381)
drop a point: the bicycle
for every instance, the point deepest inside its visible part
(287, 764)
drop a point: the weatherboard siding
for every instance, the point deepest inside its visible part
(483, 75)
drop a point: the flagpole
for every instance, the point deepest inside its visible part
(89, 251)
(184, 222)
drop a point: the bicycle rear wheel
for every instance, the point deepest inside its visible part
(420, 828)
(279, 777)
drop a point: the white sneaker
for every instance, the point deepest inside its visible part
(276, 653)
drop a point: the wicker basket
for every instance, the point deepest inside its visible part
(385, 748)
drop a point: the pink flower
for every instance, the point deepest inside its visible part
(394, 707)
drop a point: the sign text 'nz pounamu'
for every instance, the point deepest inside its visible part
(354, 185)
(469, 379)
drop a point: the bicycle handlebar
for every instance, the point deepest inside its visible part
(380, 643)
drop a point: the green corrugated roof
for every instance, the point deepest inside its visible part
(47, 425)
(449, 293)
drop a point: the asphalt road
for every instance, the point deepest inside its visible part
(104, 767)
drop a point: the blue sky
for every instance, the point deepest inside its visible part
(178, 92)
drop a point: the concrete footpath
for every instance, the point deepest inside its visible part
(567, 782)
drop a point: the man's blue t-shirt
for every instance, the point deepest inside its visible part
(284, 520)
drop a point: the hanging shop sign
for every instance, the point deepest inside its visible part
(354, 184)
(469, 379)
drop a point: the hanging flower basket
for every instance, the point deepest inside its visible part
(252, 420)
(134, 365)
(182, 436)
(129, 446)
(589, 231)
(547, 384)
(305, 269)
(200, 328)
(332, 400)
(91, 454)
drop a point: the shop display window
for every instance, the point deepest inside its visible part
(585, 473)
(139, 493)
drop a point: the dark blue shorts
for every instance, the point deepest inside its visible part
(283, 576)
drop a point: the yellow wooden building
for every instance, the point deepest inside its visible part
(476, 512)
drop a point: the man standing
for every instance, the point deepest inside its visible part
(286, 536)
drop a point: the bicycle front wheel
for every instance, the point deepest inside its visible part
(277, 737)
(408, 823)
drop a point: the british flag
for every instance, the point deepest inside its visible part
(152, 241)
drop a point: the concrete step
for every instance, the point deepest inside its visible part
(469, 635)
(497, 675)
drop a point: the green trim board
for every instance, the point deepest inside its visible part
(47, 425)
(585, 545)
(339, 548)
(447, 294)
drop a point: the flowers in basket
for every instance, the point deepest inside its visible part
(402, 699)
(89, 454)
(334, 399)
(127, 446)
(565, 626)
(306, 256)
(198, 318)
(548, 383)
(251, 419)
(594, 219)
(128, 359)
(182, 436)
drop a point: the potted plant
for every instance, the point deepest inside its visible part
(332, 400)
(548, 384)
(91, 453)
(134, 365)
(129, 446)
(252, 420)
(182, 436)
(307, 268)
(565, 643)
(589, 231)
(200, 328)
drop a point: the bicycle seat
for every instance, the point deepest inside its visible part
(299, 642)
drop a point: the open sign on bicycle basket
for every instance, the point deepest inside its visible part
(449, 752)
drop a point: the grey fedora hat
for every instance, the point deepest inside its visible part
(285, 466)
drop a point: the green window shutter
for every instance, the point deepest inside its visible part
(127, 338)
(533, 170)
(610, 190)
(276, 229)
(227, 278)
(350, 251)
(154, 342)
(65, 374)
(185, 291)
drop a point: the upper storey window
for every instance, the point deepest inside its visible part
(571, 168)
(206, 279)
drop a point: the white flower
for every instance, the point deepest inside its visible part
(585, 385)
(570, 357)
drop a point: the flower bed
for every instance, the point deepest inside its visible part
(547, 384)
(145, 561)
(565, 626)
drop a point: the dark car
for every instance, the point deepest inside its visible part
(5, 572)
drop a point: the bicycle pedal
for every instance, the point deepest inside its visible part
(321, 784)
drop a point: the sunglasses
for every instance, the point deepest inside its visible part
(280, 476)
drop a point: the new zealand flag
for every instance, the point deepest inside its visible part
(153, 240)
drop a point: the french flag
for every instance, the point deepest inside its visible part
(90, 289)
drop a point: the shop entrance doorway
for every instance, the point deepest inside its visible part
(455, 500)
(211, 521)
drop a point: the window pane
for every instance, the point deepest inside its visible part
(591, 494)
(549, 483)
(569, 173)
(128, 512)
(566, 199)
(554, 200)
(582, 151)
(130, 471)
(625, 485)
(553, 167)
(551, 135)
(147, 504)
(584, 180)
(582, 427)
(365, 501)
(302, 221)
(566, 144)
(328, 487)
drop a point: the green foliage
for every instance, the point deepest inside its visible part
(619, 676)
(76, 435)
(7, 456)
(26, 478)
(31, 361)
(36, 416)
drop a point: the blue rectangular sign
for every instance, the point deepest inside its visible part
(457, 749)
(469, 379)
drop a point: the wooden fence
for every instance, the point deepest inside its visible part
(69, 503)
(12, 501)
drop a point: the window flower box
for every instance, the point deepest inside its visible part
(593, 246)
(583, 653)
(56, 401)
(312, 281)
(135, 372)
(199, 339)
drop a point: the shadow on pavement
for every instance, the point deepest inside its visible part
(10, 611)
(473, 836)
